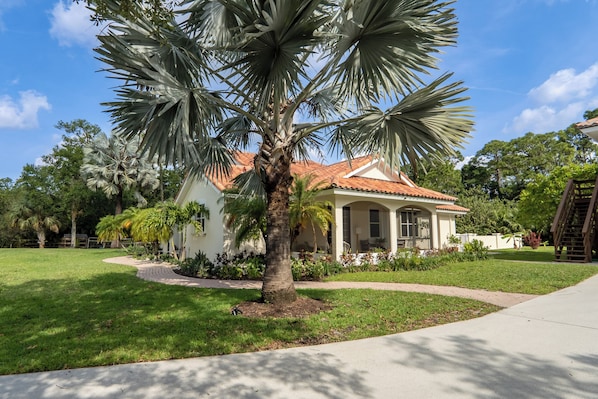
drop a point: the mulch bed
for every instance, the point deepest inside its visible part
(302, 307)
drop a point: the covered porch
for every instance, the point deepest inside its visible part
(364, 226)
(367, 222)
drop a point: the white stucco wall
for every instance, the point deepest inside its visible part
(446, 228)
(492, 241)
(211, 241)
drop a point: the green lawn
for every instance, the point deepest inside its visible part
(491, 274)
(542, 254)
(62, 308)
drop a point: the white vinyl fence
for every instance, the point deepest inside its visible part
(493, 241)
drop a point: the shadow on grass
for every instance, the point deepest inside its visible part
(115, 318)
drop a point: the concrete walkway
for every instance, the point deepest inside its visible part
(163, 274)
(543, 348)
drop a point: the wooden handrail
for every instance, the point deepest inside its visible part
(589, 225)
(591, 209)
(561, 209)
(560, 218)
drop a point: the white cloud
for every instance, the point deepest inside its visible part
(24, 114)
(71, 25)
(566, 85)
(558, 102)
(459, 165)
(547, 119)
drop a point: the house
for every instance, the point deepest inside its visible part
(589, 128)
(373, 207)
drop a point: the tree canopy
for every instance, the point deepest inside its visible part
(288, 75)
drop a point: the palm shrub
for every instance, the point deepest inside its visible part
(198, 266)
(476, 248)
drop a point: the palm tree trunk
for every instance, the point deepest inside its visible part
(73, 227)
(117, 211)
(313, 229)
(278, 286)
(41, 238)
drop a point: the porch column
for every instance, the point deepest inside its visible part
(337, 233)
(393, 234)
(435, 236)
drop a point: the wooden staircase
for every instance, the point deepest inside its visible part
(575, 223)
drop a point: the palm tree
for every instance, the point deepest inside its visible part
(306, 211)
(113, 165)
(113, 228)
(25, 218)
(245, 215)
(229, 73)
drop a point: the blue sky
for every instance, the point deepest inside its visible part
(530, 65)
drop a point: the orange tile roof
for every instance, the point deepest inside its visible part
(589, 123)
(454, 208)
(335, 177)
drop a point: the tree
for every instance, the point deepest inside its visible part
(590, 114)
(441, 175)
(486, 215)
(504, 168)
(113, 165)
(245, 215)
(226, 74)
(541, 198)
(306, 210)
(65, 163)
(7, 197)
(584, 147)
(158, 11)
(35, 206)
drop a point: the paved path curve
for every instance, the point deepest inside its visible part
(162, 273)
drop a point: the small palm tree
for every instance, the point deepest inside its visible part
(154, 225)
(306, 210)
(113, 228)
(245, 215)
(25, 218)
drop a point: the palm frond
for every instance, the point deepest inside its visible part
(386, 45)
(422, 123)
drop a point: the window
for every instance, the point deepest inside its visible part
(406, 224)
(346, 224)
(374, 223)
(409, 220)
(201, 219)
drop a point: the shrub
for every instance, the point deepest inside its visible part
(242, 266)
(532, 239)
(304, 269)
(476, 248)
(198, 266)
(137, 251)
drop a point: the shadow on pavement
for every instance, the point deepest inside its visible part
(250, 376)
